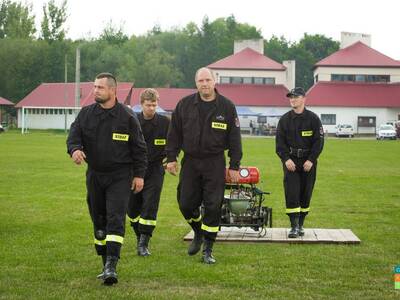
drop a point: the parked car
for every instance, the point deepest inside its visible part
(344, 130)
(1, 129)
(386, 131)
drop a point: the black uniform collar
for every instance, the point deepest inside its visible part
(197, 99)
(153, 121)
(98, 110)
(293, 115)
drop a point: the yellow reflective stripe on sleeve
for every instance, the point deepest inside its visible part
(160, 142)
(218, 125)
(198, 219)
(114, 238)
(134, 220)
(147, 222)
(210, 228)
(292, 210)
(120, 137)
(304, 209)
(307, 133)
(100, 242)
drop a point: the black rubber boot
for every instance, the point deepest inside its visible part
(110, 270)
(301, 223)
(135, 227)
(143, 246)
(195, 245)
(208, 258)
(104, 258)
(294, 222)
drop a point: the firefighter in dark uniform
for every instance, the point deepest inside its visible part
(203, 125)
(108, 137)
(143, 206)
(299, 142)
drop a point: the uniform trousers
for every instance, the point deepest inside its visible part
(107, 196)
(202, 183)
(298, 187)
(143, 206)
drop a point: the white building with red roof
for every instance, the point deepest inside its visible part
(356, 85)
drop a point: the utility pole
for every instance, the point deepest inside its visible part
(77, 81)
(65, 94)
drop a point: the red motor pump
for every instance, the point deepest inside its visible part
(248, 175)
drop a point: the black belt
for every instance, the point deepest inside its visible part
(298, 152)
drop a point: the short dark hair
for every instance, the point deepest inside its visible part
(111, 80)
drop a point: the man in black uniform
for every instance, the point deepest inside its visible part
(108, 137)
(203, 125)
(299, 142)
(143, 206)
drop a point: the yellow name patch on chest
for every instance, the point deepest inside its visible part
(160, 142)
(307, 133)
(219, 125)
(120, 137)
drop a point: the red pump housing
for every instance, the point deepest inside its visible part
(249, 175)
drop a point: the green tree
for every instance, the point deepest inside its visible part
(53, 20)
(113, 35)
(16, 20)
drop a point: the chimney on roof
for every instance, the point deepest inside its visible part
(349, 38)
(256, 45)
(290, 73)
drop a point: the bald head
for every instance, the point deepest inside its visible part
(205, 84)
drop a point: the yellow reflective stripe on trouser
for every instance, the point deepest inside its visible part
(147, 222)
(304, 209)
(114, 238)
(292, 210)
(99, 242)
(198, 219)
(134, 220)
(210, 228)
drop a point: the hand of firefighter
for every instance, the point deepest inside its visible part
(137, 184)
(172, 168)
(290, 165)
(307, 165)
(78, 156)
(233, 176)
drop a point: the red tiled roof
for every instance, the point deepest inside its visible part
(348, 94)
(4, 101)
(255, 95)
(169, 97)
(53, 94)
(247, 59)
(358, 55)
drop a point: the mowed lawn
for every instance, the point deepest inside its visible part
(46, 234)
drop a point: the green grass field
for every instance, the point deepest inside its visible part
(46, 233)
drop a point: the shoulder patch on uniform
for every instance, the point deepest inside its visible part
(237, 123)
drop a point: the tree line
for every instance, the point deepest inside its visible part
(158, 58)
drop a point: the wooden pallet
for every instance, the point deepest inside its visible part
(279, 235)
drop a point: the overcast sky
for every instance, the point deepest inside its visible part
(290, 18)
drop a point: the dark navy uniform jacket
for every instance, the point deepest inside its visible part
(219, 131)
(110, 138)
(155, 134)
(299, 131)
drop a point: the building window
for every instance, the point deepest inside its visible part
(225, 79)
(56, 111)
(258, 80)
(247, 80)
(360, 78)
(316, 78)
(366, 121)
(236, 80)
(269, 80)
(42, 111)
(70, 111)
(328, 119)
